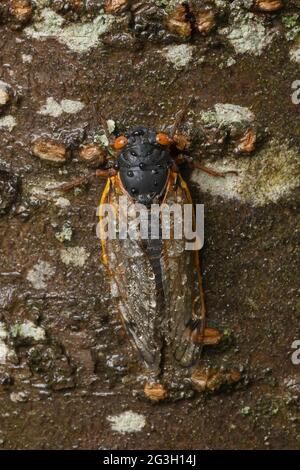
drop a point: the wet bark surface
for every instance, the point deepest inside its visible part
(68, 375)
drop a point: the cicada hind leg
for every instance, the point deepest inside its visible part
(212, 379)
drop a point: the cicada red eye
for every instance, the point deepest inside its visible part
(163, 139)
(120, 142)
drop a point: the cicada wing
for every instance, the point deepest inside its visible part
(135, 290)
(183, 288)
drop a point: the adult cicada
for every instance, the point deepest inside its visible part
(157, 282)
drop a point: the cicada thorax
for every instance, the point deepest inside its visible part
(144, 166)
(156, 280)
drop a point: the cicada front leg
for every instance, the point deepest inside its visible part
(81, 181)
(210, 171)
(186, 159)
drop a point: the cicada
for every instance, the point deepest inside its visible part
(157, 283)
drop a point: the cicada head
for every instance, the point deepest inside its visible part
(144, 160)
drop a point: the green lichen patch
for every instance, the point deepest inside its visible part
(111, 125)
(79, 37)
(101, 138)
(40, 273)
(19, 397)
(28, 331)
(246, 411)
(291, 24)
(127, 422)
(62, 203)
(8, 122)
(3, 331)
(65, 234)
(6, 351)
(27, 58)
(248, 34)
(225, 114)
(56, 109)
(179, 56)
(168, 5)
(74, 256)
(295, 52)
(3, 352)
(267, 177)
(41, 3)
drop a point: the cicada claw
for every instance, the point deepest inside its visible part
(155, 391)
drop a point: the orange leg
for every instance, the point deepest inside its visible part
(196, 165)
(83, 180)
(72, 184)
(210, 171)
(106, 173)
(211, 380)
(180, 117)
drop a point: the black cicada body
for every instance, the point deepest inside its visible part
(156, 281)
